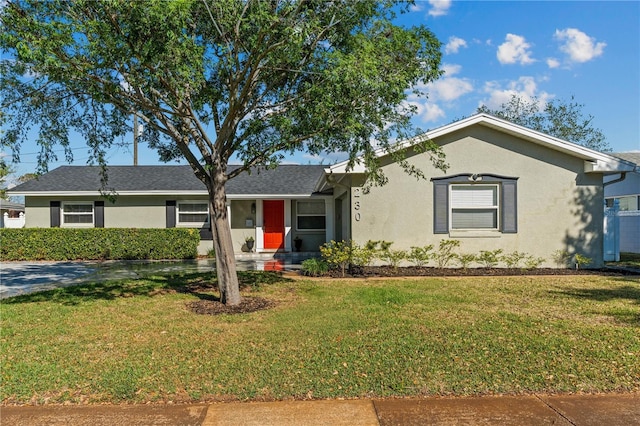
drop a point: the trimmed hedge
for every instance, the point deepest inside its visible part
(98, 243)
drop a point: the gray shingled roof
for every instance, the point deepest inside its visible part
(633, 157)
(286, 179)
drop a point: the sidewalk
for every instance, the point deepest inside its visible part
(606, 409)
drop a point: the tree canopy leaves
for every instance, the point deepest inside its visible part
(213, 80)
(557, 118)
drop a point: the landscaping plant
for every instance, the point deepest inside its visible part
(561, 258)
(314, 267)
(514, 259)
(445, 253)
(420, 256)
(581, 261)
(489, 258)
(466, 259)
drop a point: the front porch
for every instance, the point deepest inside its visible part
(294, 227)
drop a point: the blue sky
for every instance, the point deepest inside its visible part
(546, 49)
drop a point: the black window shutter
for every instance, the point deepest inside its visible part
(54, 214)
(509, 207)
(440, 208)
(171, 213)
(98, 214)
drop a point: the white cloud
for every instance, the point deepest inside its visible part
(553, 63)
(450, 89)
(439, 7)
(454, 44)
(525, 88)
(515, 49)
(445, 90)
(578, 46)
(416, 7)
(431, 112)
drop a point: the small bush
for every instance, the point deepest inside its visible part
(533, 262)
(394, 257)
(561, 258)
(445, 253)
(466, 259)
(581, 261)
(314, 267)
(420, 256)
(337, 254)
(98, 243)
(489, 258)
(364, 256)
(513, 259)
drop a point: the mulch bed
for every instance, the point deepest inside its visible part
(215, 307)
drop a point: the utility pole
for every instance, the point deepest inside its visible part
(135, 139)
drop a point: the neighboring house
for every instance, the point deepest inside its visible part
(626, 189)
(507, 188)
(11, 214)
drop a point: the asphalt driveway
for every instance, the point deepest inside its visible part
(28, 277)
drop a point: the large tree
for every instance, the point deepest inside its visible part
(557, 118)
(213, 80)
(5, 170)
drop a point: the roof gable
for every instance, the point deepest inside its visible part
(595, 161)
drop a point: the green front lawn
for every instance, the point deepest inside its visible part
(136, 341)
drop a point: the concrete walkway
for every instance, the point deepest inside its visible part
(606, 409)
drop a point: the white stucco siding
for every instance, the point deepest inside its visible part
(559, 207)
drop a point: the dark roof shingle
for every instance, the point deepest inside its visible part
(283, 180)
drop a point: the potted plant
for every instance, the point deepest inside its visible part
(297, 242)
(249, 242)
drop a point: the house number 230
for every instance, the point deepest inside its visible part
(356, 204)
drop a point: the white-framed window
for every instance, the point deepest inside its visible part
(77, 214)
(474, 206)
(192, 213)
(310, 215)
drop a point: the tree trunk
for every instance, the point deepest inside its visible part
(223, 244)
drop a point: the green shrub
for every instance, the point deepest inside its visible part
(465, 259)
(561, 258)
(513, 259)
(581, 261)
(489, 258)
(445, 253)
(420, 256)
(394, 257)
(314, 267)
(337, 254)
(98, 243)
(531, 262)
(364, 256)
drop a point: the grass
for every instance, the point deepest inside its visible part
(135, 341)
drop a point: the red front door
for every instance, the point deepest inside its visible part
(273, 224)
